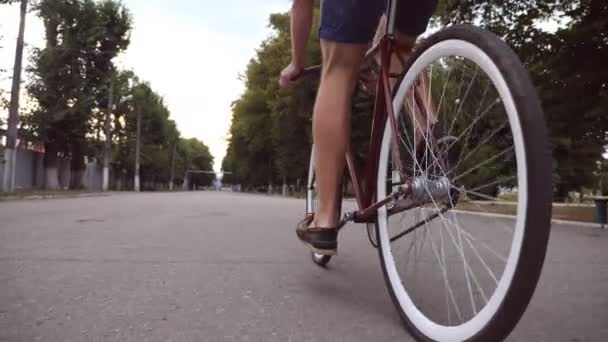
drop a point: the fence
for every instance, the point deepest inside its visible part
(29, 172)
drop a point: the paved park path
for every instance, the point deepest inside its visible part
(211, 266)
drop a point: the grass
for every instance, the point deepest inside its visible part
(511, 196)
(560, 212)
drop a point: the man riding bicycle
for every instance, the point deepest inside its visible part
(346, 30)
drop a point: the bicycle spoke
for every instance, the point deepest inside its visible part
(418, 246)
(447, 285)
(444, 268)
(479, 145)
(497, 182)
(484, 163)
(445, 86)
(468, 235)
(479, 194)
(411, 247)
(469, 271)
(465, 265)
(461, 102)
(468, 238)
(483, 262)
(460, 248)
(448, 288)
(425, 233)
(470, 127)
(505, 227)
(408, 143)
(407, 146)
(476, 281)
(428, 97)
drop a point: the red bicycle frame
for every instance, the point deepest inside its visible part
(365, 187)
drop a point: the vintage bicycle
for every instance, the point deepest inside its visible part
(462, 131)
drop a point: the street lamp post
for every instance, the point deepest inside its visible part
(10, 152)
(107, 153)
(137, 152)
(172, 171)
(108, 143)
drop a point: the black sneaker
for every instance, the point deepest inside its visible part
(320, 240)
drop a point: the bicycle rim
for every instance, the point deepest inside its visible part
(454, 277)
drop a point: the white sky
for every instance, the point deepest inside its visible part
(191, 51)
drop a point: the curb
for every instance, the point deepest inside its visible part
(556, 221)
(53, 196)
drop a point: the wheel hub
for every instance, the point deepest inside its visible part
(424, 190)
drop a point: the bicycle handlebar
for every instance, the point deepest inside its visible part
(308, 71)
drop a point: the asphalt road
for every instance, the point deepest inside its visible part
(227, 267)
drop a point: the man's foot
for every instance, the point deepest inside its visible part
(319, 240)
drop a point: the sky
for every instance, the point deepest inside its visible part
(191, 52)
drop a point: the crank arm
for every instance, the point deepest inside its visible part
(348, 217)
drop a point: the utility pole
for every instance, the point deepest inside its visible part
(10, 153)
(172, 165)
(284, 186)
(107, 151)
(137, 151)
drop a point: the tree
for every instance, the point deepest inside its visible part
(193, 154)
(566, 65)
(270, 134)
(602, 177)
(71, 76)
(3, 100)
(159, 137)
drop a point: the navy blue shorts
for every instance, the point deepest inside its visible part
(356, 21)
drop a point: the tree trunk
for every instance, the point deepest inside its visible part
(63, 168)
(51, 175)
(77, 167)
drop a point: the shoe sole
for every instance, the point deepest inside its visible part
(328, 252)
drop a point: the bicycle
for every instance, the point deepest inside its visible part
(430, 175)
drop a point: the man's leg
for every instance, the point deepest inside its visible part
(331, 124)
(405, 43)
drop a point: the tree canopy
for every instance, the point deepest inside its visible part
(564, 45)
(565, 64)
(270, 131)
(75, 82)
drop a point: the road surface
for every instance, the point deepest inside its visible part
(212, 266)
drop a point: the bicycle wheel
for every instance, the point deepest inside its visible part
(471, 138)
(311, 204)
